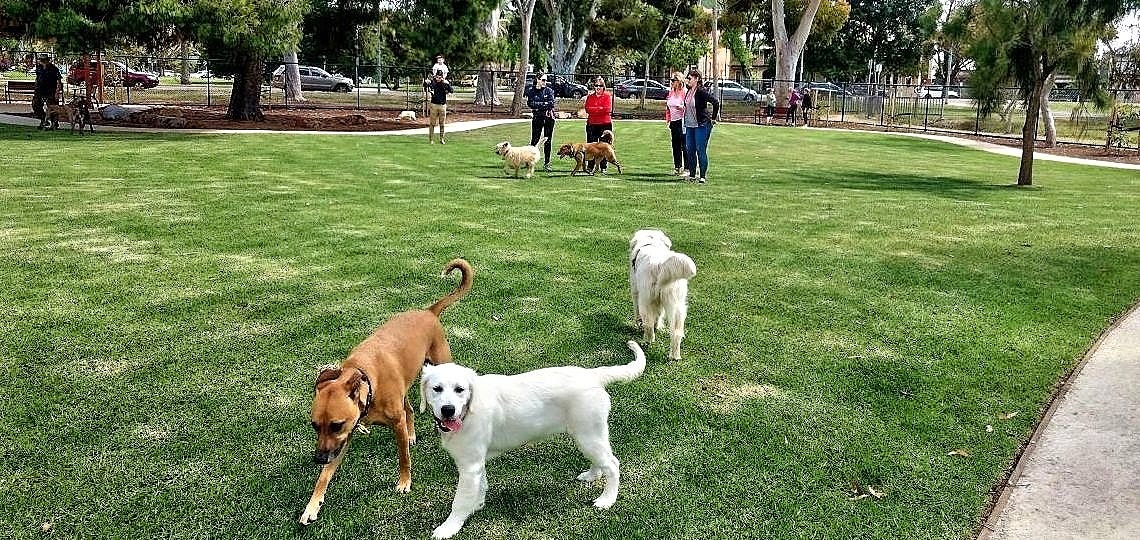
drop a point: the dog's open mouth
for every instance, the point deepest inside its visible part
(449, 425)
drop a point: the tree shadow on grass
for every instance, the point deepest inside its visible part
(944, 186)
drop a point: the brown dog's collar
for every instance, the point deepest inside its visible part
(368, 403)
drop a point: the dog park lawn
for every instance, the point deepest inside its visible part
(864, 305)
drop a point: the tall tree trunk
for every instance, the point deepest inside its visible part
(1029, 134)
(184, 54)
(526, 14)
(292, 77)
(788, 48)
(648, 57)
(1047, 115)
(485, 91)
(245, 98)
(566, 48)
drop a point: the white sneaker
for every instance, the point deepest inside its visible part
(677, 172)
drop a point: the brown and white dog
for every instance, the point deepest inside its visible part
(77, 112)
(603, 150)
(519, 157)
(371, 387)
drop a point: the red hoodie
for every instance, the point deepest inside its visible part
(598, 108)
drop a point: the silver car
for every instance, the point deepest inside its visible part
(315, 78)
(733, 91)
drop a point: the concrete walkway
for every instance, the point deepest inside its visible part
(1079, 478)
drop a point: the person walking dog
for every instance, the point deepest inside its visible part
(599, 109)
(540, 99)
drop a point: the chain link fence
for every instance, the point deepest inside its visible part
(362, 85)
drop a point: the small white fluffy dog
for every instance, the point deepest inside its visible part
(518, 157)
(482, 416)
(406, 116)
(659, 284)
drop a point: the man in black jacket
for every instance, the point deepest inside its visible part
(49, 88)
(439, 88)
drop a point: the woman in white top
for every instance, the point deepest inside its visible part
(675, 117)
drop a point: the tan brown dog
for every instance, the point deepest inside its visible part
(371, 387)
(77, 113)
(602, 150)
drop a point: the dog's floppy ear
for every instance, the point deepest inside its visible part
(353, 384)
(327, 374)
(423, 384)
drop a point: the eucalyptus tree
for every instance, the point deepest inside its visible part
(1026, 43)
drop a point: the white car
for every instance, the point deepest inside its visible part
(933, 92)
(733, 91)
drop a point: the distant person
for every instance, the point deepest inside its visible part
(440, 66)
(675, 117)
(540, 99)
(438, 88)
(793, 106)
(49, 88)
(698, 125)
(29, 62)
(807, 103)
(770, 104)
(599, 117)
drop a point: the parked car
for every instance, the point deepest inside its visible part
(562, 87)
(933, 92)
(114, 74)
(733, 91)
(633, 87)
(827, 89)
(202, 74)
(315, 78)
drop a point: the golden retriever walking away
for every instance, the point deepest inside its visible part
(659, 284)
(482, 416)
(371, 387)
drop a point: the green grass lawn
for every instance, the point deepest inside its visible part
(864, 305)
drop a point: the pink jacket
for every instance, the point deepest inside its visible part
(675, 105)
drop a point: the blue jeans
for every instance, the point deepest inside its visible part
(696, 149)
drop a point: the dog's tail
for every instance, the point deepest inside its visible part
(541, 141)
(607, 136)
(626, 373)
(677, 266)
(464, 285)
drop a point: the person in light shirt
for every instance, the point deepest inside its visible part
(675, 117)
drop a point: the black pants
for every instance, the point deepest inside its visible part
(39, 106)
(677, 136)
(790, 118)
(594, 134)
(540, 125)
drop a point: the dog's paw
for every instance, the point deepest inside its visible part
(445, 531)
(310, 514)
(603, 502)
(404, 486)
(411, 439)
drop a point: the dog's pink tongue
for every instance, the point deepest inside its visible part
(452, 424)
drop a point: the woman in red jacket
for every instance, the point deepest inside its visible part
(599, 106)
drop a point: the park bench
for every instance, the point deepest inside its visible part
(1119, 129)
(27, 88)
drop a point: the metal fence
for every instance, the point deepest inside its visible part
(369, 86)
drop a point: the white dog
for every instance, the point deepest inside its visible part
(483, 416)
(406, 116)
(659, 284)
(517, 157)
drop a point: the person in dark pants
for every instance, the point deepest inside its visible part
(699, 121)
(599, 109)
(540, 99)
(675, 116)
(807, 103)
(49, 88)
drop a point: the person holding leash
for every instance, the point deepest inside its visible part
(599, 108)
(698, 125)
(540, 99)
(49, 88)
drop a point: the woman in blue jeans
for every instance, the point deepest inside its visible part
(698, 125)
